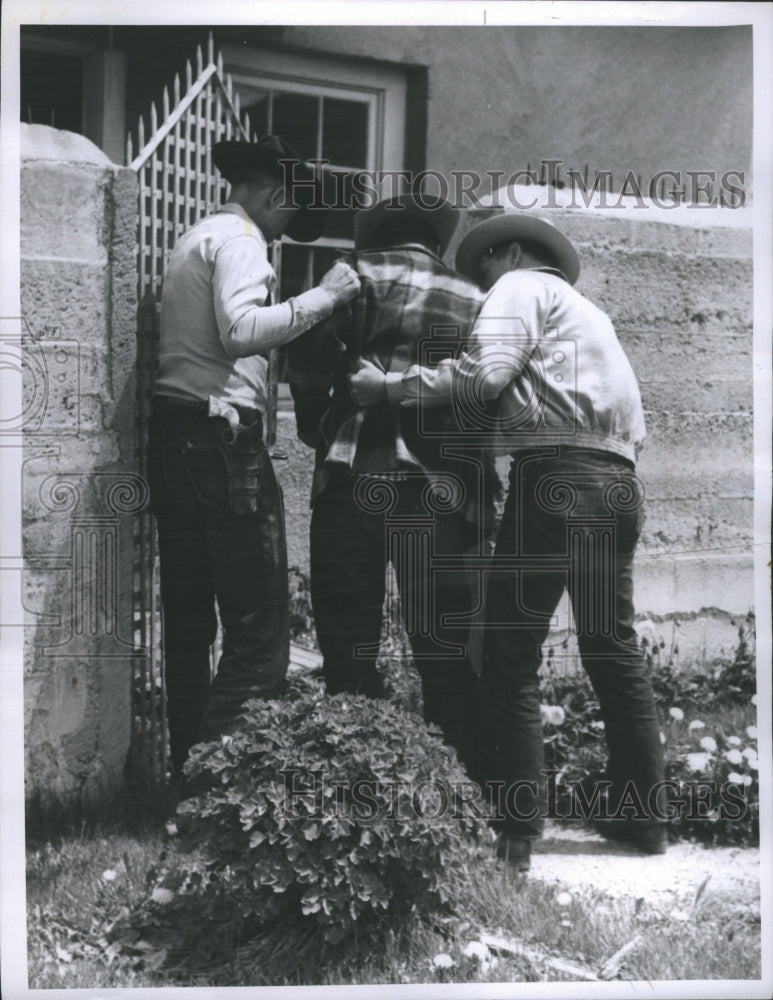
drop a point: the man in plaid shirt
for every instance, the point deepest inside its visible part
(394, 485)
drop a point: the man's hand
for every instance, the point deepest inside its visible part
(368, 385)
(342, 282)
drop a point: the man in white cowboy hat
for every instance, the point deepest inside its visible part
(568, 409)
(217, 504)
(384, 488)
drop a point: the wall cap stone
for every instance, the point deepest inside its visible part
(42, 142)
(561, 200)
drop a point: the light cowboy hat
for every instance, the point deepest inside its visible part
(512, 227)
(277, 158)
(439, 216)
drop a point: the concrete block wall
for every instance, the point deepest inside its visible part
(680, 296)
(78, 481)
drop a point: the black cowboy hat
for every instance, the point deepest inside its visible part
(512, 227)
(278, 159)
(437, 215)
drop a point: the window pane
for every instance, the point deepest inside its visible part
(345, 132)
(295, 119)
(294, 270)
(339, 193)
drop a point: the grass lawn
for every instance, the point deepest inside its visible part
(89, 872)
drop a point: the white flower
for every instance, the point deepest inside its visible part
(478, 951)
(109, 875)
(564, 898)
(696, 724)
(709, 743)
(754, 764)
(754, 699)
(552, 715)
(676, 713)
(662, 737)
(697, 761)
(734, 757)
(749, 753)
(735, 779)
(751, 732)
(747, 780)
(443, 961)
(734, 741)
(598, 724)
(162, 895)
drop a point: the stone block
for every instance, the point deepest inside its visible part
(68, 296)
(65, 211)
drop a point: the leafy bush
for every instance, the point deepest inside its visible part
(342, 810)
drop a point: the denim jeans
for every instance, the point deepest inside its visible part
(219, 514)
(571, 521)
(353, 537)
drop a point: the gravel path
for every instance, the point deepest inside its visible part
(577, 858)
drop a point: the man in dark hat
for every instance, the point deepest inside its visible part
(389, 486)
(218, 506)
(570, 413)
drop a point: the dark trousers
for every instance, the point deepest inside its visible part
(218, 510)
(358, 525)
(571, 521)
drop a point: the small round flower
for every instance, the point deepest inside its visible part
(109, 875)
(754, 699)
(443, 961)
(697, 761)
(709, 744)
(477, 950)
(564, 898)
(754, 764)
(734, 741)
(552, 715)
(751, 732)
(746, 779)
(734, 757)
(696, 724)
(676, 713)
(749, 753)
(735, 779)
(598, 724)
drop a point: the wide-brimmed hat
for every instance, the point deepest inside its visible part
(515, 226)
(439, 216)
(277, 158)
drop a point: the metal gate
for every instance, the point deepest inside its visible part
(178, 186)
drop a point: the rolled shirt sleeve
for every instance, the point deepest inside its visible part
(242, 281)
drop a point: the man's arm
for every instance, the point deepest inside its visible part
(503, 337)
(241, 280)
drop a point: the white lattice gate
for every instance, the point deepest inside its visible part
(178, 185)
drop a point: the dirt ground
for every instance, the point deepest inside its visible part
(579, 859)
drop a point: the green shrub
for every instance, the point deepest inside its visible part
(331, 809)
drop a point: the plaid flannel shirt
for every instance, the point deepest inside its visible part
(411, 309)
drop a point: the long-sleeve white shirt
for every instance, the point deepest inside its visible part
(553, 362)
(216, 326)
